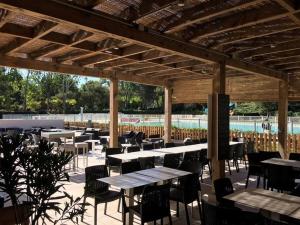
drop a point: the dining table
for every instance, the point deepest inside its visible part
(277, 206)
(127, 182)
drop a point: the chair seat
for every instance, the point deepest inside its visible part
(155, 213)
(176, 194)
(107, 196)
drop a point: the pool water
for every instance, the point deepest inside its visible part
(234, 125)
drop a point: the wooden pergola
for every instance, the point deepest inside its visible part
(249, 50)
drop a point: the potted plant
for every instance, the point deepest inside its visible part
(38, 175)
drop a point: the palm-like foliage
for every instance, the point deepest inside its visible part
(40, 175)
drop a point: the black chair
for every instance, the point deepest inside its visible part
(203, 140)
(130, 167)
(188, 141)
(223, 187)
(133, 149)
(280, 178)
(268, 155)
(186, 192)
(204, 162)
(230, 157)
(172, 160)
(154, 136)
(104, 143)
(239, 154)
(209, 213)
(96, 189)
(112, 162)
(169, 145)
(191, 156)
(155, 205)
(196, 141)
(250, 147)
(255, 168)
(191, 162)
(294, 156)
(147, 162)
(147, 146)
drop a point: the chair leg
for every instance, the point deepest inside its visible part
(105, 208)
(177, 209)
(209, 169)
(119, 205)
(247, 181)
(237, 166)
(124, 217)
(162, 221)
(229, 167)
(170, 219)
(154, 222)
(258, 181)
(95, 213)
(84, 200)
(199, 207)
(187, 214)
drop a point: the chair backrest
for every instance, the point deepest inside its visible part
(254, 159)
(294, 156)
(191, 156)
(268, 155)
(209, 211)
(147, 162)
(92, 185)
(203, 140)
(169, 145)
(112, 161)
(155, 203)
(250, 147)
(203, 157)
(172, 160)
(280, 177)
(196, 141)
(82, 138)
(223, 187)
(129, 167)
(190, 186)
(191, 162)
(133, 149)
(154, 136)
(103, 141)
(147, 146)
(239, 151)
(121, 140)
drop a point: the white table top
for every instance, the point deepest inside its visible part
(62, 134)
(143, 177)
(273, 202)
(136, 155)
(283, 162)
(160, 152)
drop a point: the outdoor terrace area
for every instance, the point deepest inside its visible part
(208, 51)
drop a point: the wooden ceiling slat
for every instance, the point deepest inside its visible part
(197, 13)
(100, 23)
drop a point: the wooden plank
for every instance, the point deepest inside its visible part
(282, 118)
(113, 113)
(168, 113)
(120, 30)
(218, 87)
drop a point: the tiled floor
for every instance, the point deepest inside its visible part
(75, 188)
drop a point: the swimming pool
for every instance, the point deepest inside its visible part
(234, 125)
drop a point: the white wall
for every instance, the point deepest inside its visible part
(28, 124)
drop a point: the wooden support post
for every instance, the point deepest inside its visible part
(215, 122)
(168, 114)
(283, 118)
(113, 113)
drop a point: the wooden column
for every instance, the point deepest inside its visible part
(218, 87)
(283, 118)
(168, 114)
(113, 113)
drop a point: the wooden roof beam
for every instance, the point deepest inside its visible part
(271, 49)
(233, 22)
(74, 39)
(292, 7)
(101, 23)
(197, 13)
(40, 30)
(112, 54)
(71, 69)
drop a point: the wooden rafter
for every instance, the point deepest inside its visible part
(40, 30)
(197, 13)
(233, 22)
(103, 24)
(71, 69)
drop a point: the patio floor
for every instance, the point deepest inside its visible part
(76, 186)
